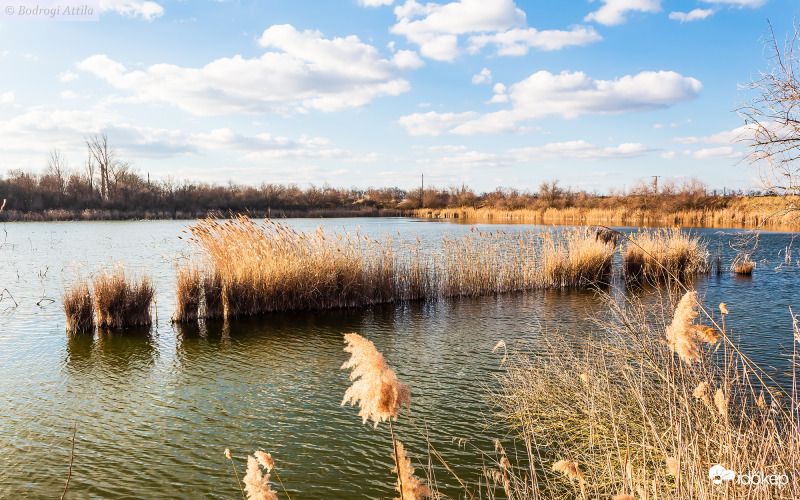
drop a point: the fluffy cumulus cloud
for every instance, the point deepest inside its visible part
(568, 94)
(578, 150)
(436, 28)
(517, 42)
(695, 15)
(738, 134)
(302, 70)
(724, 152)
(614, 11)
(133, 8)
(485, 76)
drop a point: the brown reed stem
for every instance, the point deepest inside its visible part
(282, 486)
(396, 462)
(71, 456)
(237, 478)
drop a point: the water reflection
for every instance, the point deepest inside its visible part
(112, 353)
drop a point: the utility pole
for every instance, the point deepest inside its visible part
(655, 184)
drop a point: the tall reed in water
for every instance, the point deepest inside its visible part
(122, 302)
(248, 268)
(79, 308)
(664, 253)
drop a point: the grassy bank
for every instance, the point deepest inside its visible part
(767, 211)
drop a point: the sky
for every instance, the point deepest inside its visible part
(359, 93)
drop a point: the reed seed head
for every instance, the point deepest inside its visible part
(413, 487)
(721, 402)
(673, 466)
(257, 484)
(375, 386)
(570, 469)
(723, 308)
(623, 496)
(265, 460)
(228, 454)
(681, 333)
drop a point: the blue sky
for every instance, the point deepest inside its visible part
(365, 93)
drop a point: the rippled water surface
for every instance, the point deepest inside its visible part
(154, 410)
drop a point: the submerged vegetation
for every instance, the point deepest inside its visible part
(114, 301)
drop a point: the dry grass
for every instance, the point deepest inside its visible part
(121, 302)
(640, 421)
(765, 211)
(188, 293)
(79, 308)
(664, 253)
(743, 266)
(247, 268)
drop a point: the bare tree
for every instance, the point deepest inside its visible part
(57, 167)
(771, 109)
(105, 159)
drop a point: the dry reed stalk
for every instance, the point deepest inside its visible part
(745, 267)
(79, 308)
(188, 292)
(641, 409)
(120, 302)
(663, 254)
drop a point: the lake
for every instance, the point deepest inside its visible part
(155, 411)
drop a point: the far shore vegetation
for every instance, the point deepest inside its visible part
(119, 192)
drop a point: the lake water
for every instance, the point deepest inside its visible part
(154, 411)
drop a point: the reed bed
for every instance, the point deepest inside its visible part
(773, 212)
(79, 307)
(120, 301)
(245, 268)
(665, 253)
(648, 407)
(743, 266)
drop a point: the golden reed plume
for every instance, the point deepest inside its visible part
(375, 386)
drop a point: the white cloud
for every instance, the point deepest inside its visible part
(447, 148)
(67, 76)
(724, 152)
(374, 3)
(566, 94)
(133, 8)
(695, 15)
(724, 137)
(7, 100)
(68, 95)
(485, 76)
(306, 70)
(578, 150)
(739, 3)
(473, 159)
(668, 155)
(613, 11)
(517, 42)
(433, 123)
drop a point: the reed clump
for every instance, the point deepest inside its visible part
(245, 268)
(743, 266)
(663, 254)
(79, 307)
(120, 301)
(656, 417)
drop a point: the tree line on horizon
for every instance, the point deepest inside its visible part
(107, 183)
